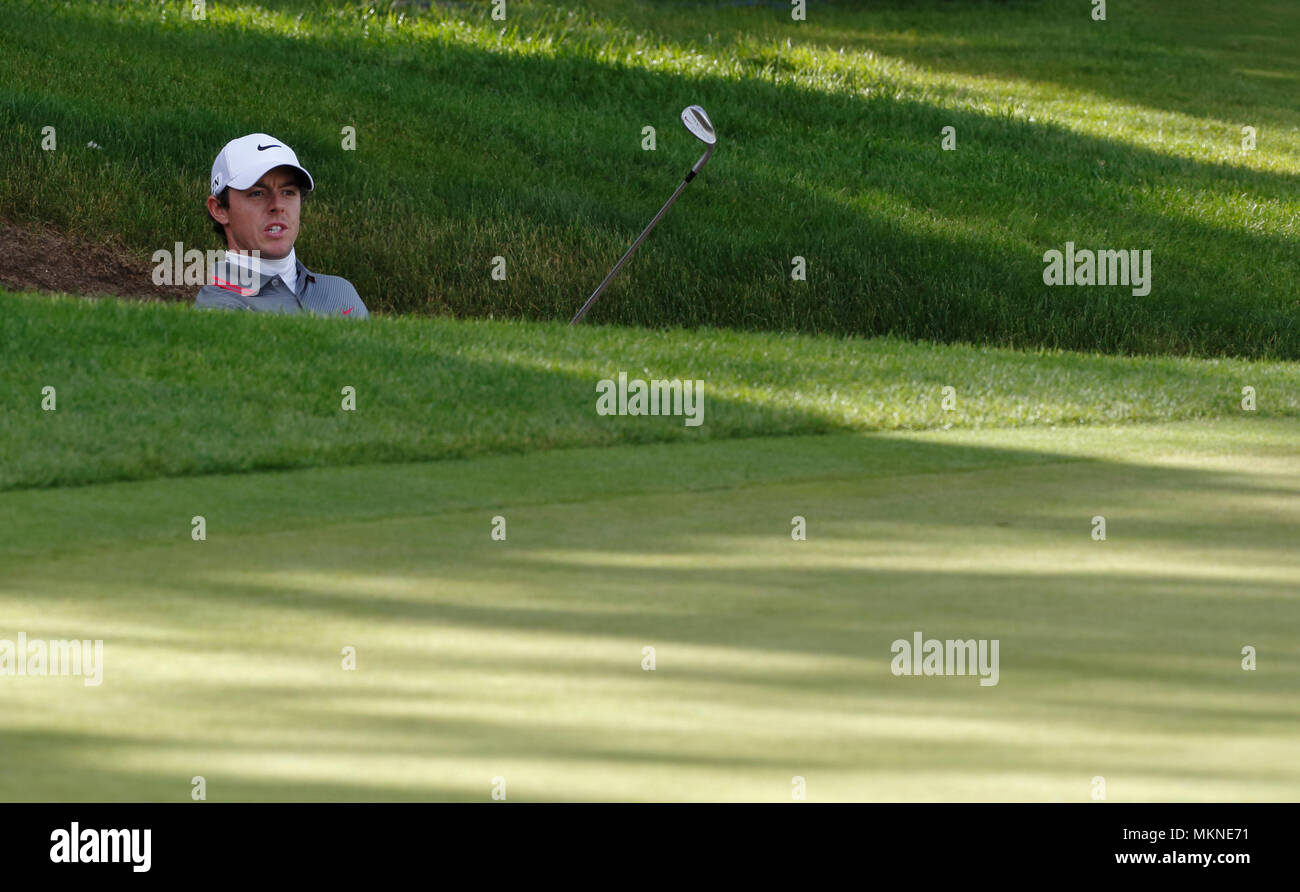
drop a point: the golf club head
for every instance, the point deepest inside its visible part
(697, 121)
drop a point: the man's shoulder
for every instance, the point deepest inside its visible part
(213, 297)
(333, 282)
(225, 288)
(334, 296)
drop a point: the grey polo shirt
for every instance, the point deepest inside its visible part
(316, 294)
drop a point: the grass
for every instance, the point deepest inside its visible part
(477, 140)
(150, 390)
(522, 659)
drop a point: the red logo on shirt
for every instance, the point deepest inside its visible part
(223, 284)
(345, 312)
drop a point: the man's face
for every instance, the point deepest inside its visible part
(263, 217)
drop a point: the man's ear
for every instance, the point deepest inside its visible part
(219, 213)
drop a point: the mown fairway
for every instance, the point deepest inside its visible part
(522, 659)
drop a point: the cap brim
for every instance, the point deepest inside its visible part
(248, 178)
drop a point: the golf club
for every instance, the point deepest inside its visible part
(697, 122)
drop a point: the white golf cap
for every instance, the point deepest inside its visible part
(243, 161)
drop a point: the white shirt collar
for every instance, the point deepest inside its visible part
(286, 267)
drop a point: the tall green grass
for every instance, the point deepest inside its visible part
(479, 139)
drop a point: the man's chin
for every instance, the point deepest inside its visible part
(276, 251)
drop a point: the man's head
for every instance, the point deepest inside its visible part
(257, 188)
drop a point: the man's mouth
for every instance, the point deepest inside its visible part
(275, 229)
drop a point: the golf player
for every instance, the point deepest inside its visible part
(256, 196)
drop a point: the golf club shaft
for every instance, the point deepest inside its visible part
(639, 239)
(630, 251)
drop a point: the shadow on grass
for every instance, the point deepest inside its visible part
(1217, 54)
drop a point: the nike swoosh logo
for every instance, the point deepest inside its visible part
(348, 310)
(271, 146)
